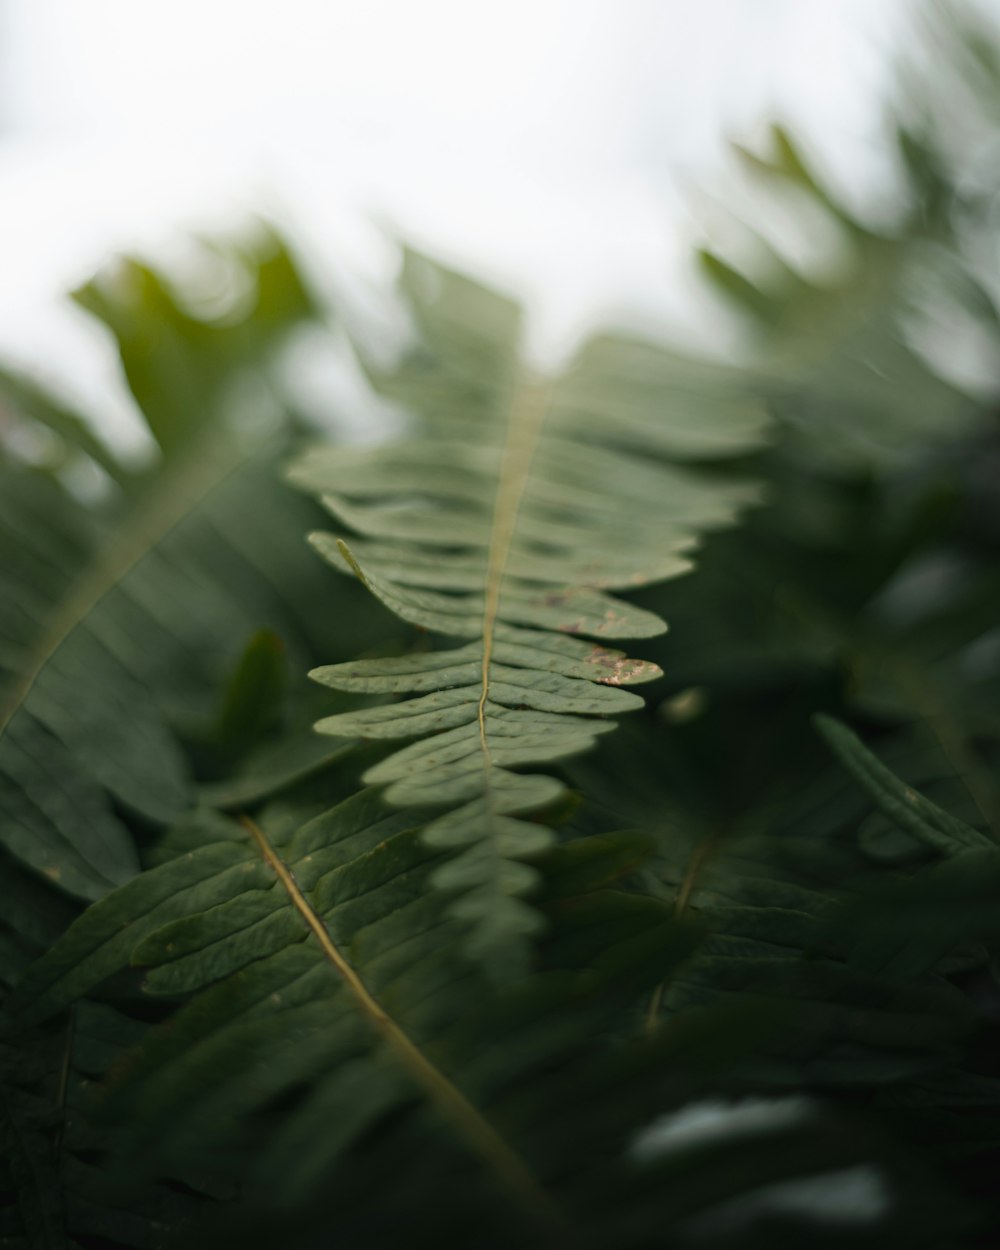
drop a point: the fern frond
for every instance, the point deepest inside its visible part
(316, 959)
(313, 966)
(504, 524)
(120, 610)
(840, 358)
(902, 805)
(909, 924)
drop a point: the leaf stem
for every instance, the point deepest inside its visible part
(699, 857)
(527, 416)
(465, 1119)
(177, 490)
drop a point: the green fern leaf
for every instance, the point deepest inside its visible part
(504, 524)
(839, 358)
(910, 923)
(316, 957)
(902, 805)
(118, 612)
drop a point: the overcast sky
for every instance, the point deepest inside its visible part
(548, 143)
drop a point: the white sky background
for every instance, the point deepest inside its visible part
(550, 144)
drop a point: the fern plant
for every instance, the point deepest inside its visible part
(478, 963)
(502, 523)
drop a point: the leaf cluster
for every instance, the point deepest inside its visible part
(478, 963)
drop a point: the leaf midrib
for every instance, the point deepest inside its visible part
(178, 490)
(466, 1119)
(527, 415)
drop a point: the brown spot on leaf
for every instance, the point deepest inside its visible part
(619, 668)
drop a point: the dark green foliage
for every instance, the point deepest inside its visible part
(721, 975)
